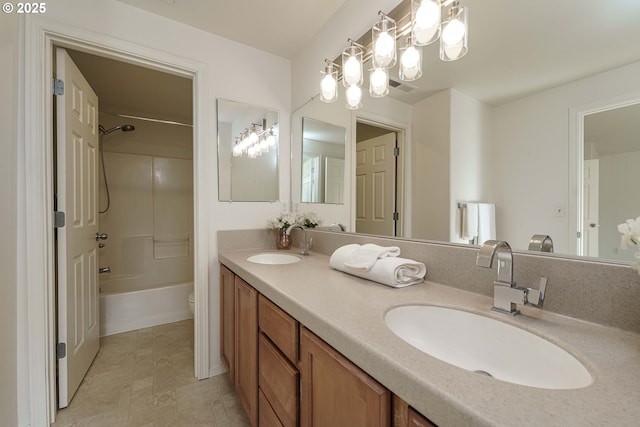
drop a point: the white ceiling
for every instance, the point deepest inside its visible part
(282, 27)
(516, 47)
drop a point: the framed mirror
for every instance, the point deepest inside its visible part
(247, 152)
(323, 153)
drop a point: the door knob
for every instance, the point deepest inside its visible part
(103, 236)
(594, 225)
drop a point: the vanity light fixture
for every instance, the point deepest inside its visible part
(352, 64)
(255, 141)
(378, 82)
(421, 22)
(383, 35)
(453, 40)
(410, 61)
(329, 83)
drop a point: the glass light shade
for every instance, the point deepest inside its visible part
(264, 145)
(425, 18)
(384, 43)
(453, 38)
(378, 83)
(329, 83)
(354, 97)
(237, 151)
(271, 139)
(352, 66)
(253, 136)
(410, 62)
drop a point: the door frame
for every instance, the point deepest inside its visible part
(36, 263)
(576, 160)
(403, 167)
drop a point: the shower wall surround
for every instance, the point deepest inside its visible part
(150, 221)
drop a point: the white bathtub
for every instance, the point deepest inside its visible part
(122, 309)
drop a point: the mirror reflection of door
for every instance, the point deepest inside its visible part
(376, 180)
(323, 152)
(610, 177)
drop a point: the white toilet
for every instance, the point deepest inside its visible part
(191, 301)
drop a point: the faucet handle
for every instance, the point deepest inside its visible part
(536, 296)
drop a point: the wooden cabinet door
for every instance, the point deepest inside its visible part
(279, 380)
(246, 348)
(405, 416)
(227, 320)
(335, 392)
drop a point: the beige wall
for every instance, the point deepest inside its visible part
(431, 167)
(9, 30)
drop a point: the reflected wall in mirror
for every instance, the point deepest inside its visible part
(323, 152)
(610, 175)
(247, 152)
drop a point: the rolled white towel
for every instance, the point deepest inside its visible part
(391, 271)
(365, 257)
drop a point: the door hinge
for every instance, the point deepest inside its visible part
(396, 216)
(58, 87)
(579, 234)
(61, 350)
(58, 219)
(396, 151)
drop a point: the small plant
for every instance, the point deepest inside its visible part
(631, 236)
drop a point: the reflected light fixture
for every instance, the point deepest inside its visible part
(255, 141)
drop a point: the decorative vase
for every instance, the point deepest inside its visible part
(283, 240)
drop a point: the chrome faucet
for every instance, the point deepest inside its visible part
(541, 243)
(506, 295)
(304, 245)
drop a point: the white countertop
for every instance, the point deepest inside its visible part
(348, 313)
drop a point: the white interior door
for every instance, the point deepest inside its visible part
(375, 185)
(591, 224)
(77, 195)
(311, 180)
(334, 180)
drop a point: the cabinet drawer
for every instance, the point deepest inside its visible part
(278, 379)
(281, 328)
(266, 416)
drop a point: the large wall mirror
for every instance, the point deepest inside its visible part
(497, 128)
(247, 152)
(323, 150)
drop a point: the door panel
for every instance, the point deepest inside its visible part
(77, 193)
(375, 185)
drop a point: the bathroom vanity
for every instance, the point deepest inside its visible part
(301, 341)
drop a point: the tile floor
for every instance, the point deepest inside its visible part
(145, 378)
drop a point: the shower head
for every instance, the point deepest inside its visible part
(123, 128)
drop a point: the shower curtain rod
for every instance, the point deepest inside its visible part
(148, 119)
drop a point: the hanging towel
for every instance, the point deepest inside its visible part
(391, 271)
(486, 222)
(367, 255)
(469, 221)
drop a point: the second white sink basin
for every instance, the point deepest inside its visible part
(487, 346)
(273, 258)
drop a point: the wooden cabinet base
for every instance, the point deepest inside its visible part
(335, 392)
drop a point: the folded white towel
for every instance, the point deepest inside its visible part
(365, 256)
(469, 220)
(391, 271)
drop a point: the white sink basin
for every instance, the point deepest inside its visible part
(273, 258)
(487, 346)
